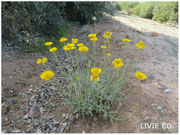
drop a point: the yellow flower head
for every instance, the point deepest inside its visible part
(83, 49)
(126, 40)
(103, 47)
(140, 76)
(65, 48)
(96, 70)
(140, 45)
(63, 40)
(105, 41)
(95, 77)
(108, 54)
(117, 63)
(88, 61)
(39, 61)
(78, 78)
(53, 49)
(47, 75)
(80, 44)
(44, 59)
(69, 47)
(94, 39)
(136, 106)
(48, 43)
(74, 40)
(107, 35)
(92, 35)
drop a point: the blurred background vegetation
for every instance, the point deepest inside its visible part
(20, 20)
(23, 22)
(159, 11)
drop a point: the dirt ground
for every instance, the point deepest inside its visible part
(159, 61)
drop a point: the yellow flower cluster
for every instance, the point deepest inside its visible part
(53, 49)
(126, 40)
(94, 39)
(140, 45)
(117, 63)
(108, 54)
(80, 44)
(69, 47)
(140, 76)
(47, 75)
(83, 49)
(92, 35)
(95, 74)
(107, 35)
(48, 43)
(74, 40)
(103, 47)
(63, 40)
(43, 60)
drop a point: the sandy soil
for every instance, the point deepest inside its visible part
(159, 61)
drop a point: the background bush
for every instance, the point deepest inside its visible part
(158, 11)
(50, 19)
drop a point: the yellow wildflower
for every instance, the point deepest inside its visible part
(108, 54)
(103, 47)
(92, 35)
(47, 75)
(80, 44)
(136, 106)
(96, 70)
(78, 78)
(126, 40)
(105, 41)
(94, 77)
(39, 61)
(140, 45)
(48, 43)
(65, 48)
(69, 47)
(53, 49)
(117, 63)
(94, 39)
(107, 35)
(140, 76)
(63, 40)
(83, 49)
(74, 40)
(44, 59)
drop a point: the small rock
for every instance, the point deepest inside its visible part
(168, 91)
(160, 87)
(35, 123)
(55, 122)
(63, 115)
(16, 131)
(159, 107)
(41, 110)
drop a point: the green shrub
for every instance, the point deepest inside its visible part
(165, 11)
(146, 10)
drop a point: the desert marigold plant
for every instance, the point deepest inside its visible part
(93, 88)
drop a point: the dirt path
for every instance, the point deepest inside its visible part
(159, 61)
(146, 25)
